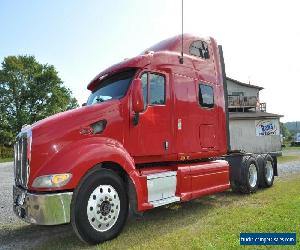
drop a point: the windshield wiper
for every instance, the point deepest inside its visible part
(99, 99)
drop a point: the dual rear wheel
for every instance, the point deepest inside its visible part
(255, 171)
(267, 172)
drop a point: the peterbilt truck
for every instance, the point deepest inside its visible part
(154, 131)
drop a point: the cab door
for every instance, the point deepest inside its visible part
(208, 116)
(152, 136)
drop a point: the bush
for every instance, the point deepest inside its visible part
(6, 152)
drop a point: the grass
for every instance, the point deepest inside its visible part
(287, 158)
(289, 154)
(6, 160)
(291, 148)
(213, 222)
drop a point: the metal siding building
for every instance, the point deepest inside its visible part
(244, 134)
(234, 86)
(251, 130)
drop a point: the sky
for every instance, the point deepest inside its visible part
(260, 39)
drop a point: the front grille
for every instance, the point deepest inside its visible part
(21, 161)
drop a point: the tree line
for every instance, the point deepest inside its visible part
(29, 91)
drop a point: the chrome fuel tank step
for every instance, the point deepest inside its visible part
(162, 188)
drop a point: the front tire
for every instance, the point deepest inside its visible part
(99, 206)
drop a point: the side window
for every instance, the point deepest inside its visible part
(144, 79)
(157, 89)
(238, 93)
(206, 96)
(200, 49)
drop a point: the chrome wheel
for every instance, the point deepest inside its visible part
(269, 172)
(252, 175)
(103, 208)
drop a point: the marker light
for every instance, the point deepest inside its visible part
(99, 126)
(49, 181)
(95, 128)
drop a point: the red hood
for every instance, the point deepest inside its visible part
(51, 135)
(75, 118)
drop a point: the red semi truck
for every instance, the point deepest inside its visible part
(154, 131)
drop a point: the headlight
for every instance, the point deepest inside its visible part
(50, 181)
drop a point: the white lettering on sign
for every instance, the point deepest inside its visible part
(267, 127)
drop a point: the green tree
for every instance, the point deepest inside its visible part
(29, 91)
(284, 130)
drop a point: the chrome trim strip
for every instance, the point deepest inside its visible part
(165, 201)
(42, 209)
(277, 153)
(21, 163)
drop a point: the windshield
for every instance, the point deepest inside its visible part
(114, 87)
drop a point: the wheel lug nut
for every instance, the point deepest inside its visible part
(105, 218)
(98, 212)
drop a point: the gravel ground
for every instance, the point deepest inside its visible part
(15, 234)
(6, 213)
(288, 168)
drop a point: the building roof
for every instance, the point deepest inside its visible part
(252, 115)
(244, 84)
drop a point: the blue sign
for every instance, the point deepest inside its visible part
(268, 239)
(266, 127)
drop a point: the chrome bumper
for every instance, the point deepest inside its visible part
(42, 209)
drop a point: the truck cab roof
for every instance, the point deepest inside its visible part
(198, 53)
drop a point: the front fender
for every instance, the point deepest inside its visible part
(79, 157)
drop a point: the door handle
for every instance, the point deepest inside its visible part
(135, 119)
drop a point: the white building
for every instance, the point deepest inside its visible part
(251, 128)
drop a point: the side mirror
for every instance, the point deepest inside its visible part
(137, 96)
(83, 104)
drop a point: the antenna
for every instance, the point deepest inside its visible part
(181, 57)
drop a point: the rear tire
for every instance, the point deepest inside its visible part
(99, 206)
(267, 177)
(249, 175)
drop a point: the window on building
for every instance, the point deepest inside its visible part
(206, 96)
(238, 93)
(199, 49)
